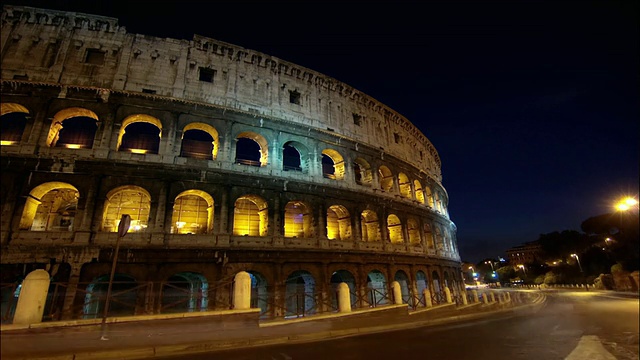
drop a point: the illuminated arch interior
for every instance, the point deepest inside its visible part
(141, 139)
(200, 140)
(74, 128)
(250, 216)
(192, 213)
(414, 231)
(394, 226)
(370, 226)
(300, 289)
(421, 281)
(332, 164)
(263, 152)
(402, 279)
(13, 120)
(50, 207)
(427, 190)
(297, 220)
(418, 191)
(386, 178)
(404, 185)
(338, 223)
(428, 233)
(185, 292)
(377, 284)
(438, 201)
(131, 200)
(439, 238)
(362, 172)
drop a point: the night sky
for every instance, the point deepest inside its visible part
(533, 106)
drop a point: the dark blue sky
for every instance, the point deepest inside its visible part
(533, 106)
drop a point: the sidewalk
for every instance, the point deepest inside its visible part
(184, 335)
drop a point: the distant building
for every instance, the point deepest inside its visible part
(524, 254)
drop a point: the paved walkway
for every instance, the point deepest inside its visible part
(165, 337)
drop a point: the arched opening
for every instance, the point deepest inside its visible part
(250, 216)
(404, 185)
(13, 120)
(297, 220)
(386, 178)
(402, 279)
(362, 172)
(300, 294)
(447, 281)
(291, 158)
(124, 293)
(73, 128)
(140, 134)
(131, 200)
(427, 190)
(394, 226)
(377, 288)
(429, 235)
(251, 149)
(192, 213)
(438, 201)
(439, 239)
(343, 276)
(332, 165)
(50, 207)
(421, 283)
(185, 292)
(197, 144)
(259, 292)
(436, 282)
(418, 191)
(370, 226)
(338, 223)
(414, 231)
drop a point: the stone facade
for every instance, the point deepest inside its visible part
(226, 159)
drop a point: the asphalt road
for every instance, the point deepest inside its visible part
(571, 325)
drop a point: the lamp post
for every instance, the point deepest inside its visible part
(524, 269)
(577, 259)
(490, 263)
(123, 227)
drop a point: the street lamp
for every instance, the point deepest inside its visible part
(490, 263)
(523, 269)
(578, 259)
(626, 204)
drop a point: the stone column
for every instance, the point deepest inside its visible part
(33, 297)
(357, 226)
(70, 293)
(223, 222)
(322, 225)
(89, 205)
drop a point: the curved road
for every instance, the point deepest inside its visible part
(571, 325)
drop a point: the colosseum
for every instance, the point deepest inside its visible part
(225, 160)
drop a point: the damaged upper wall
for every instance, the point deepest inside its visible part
(42, 45)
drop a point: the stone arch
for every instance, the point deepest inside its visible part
(429, 195)
(417, 189)
(259, 292)
(428, 234)
(439, 238)
(414, 231)
(131, 200)
(421, 282)
(73, 128)
(394, 227)
(192, 213)
(343, 276)
(435, 280)
(50, 206)
(370, 226)
(295, 156)
(184, 292)
(402, 279)
(247, 153)
(250, 217)
(404, 185)
(298, 220)
(300, 288)
(13, 121)
(338, 223)
(333, 166)
(140, 134)
(124, 295)
(377, 287)
(438, 201)
(446, 278)
(362, 172)
(385, 177)
(200, 140)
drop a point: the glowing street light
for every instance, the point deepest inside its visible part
(578, 259)
(523, 269)
(490, 263)
(626, 204)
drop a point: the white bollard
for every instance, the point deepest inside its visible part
(242, 291)
(397, 293)
(32, 299)
(475, 296)
(344, 298)
(447, 294)
(427, 298)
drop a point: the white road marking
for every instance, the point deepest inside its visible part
(589, 347)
